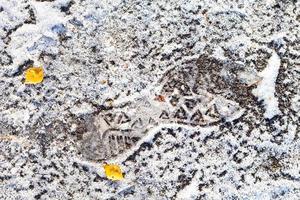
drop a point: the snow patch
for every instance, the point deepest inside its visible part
(17, 116)
(191, 191)
(266, 87)
(81, 109)
(30, 39)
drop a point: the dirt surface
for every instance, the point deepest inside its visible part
(192, 99)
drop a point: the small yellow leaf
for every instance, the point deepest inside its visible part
(34, 75)
(113, 172)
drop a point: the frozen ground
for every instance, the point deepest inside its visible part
(193, 99)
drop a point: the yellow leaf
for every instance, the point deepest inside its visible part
(113, 172)
(34, 75)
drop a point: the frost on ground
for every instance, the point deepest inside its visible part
(193, 99)
(266, 87)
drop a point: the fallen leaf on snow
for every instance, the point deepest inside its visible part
(113, 172)
(34, 75)
(160, 98)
